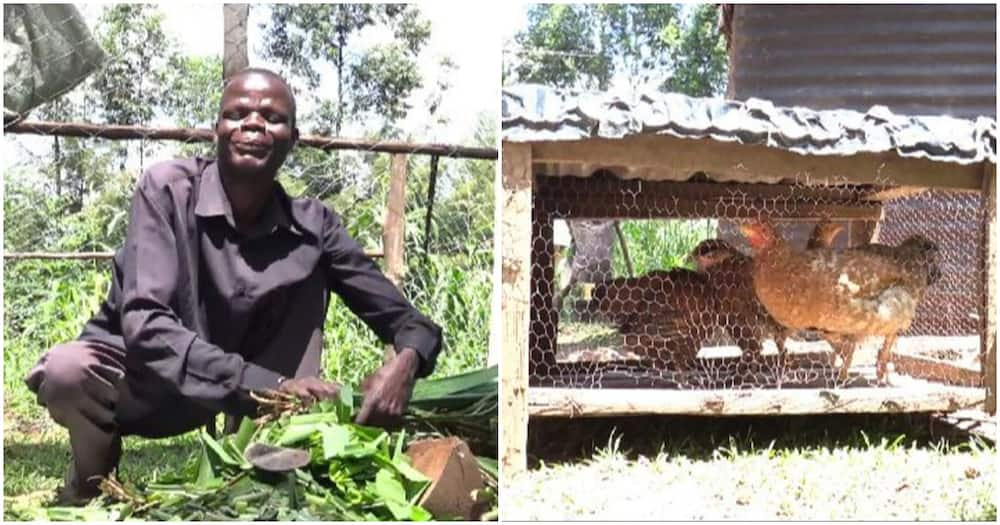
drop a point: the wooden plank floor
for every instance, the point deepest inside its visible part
(582, 402)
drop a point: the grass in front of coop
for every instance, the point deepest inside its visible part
(36, 451)
(805, 468)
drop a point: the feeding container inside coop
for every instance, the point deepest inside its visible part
(657, 288)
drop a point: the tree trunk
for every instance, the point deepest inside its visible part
(234, 39)
(341, 42)
(58, 157)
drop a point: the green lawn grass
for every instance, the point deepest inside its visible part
(35, 463)
(799, 468)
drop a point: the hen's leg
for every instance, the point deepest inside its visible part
(844, 347)
(781, 339)
(882, 362)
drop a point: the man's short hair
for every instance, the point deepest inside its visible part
(268, 73)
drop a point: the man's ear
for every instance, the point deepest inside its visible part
(295, 136)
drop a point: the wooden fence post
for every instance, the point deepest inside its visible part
(515, 250)
(493, 355)
(394, 228)
(989, 336)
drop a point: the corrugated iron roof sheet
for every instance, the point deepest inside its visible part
(534, 113)
(926, 59)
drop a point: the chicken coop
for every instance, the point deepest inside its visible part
(870, 305)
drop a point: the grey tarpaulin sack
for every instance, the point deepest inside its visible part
(47, 50)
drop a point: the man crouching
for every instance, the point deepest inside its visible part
(221, 288)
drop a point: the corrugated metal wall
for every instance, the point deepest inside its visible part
(916, 59)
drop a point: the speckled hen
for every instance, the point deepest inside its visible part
(849, 294)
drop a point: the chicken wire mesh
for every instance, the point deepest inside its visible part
(655, 284)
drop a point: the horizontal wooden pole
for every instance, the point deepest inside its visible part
(663, 157)
(899, 192)
(606, 197)
(441, 150)
(580, 402)
(118, 132)
(21, 256)
(107, 131)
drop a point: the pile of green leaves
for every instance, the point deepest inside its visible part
(354, 472)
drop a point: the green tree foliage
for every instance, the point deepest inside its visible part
(559, 48)
(66, 172)
(373, 82)
(193, 100)
(699, 56)
(195, 91)
(136, 78)
(589, 45)
(134, 81)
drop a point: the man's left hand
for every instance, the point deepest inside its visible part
(388, 390)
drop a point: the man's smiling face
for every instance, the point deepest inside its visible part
(256, 125)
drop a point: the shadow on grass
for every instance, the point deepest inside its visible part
(34, 466)
(28, 464)
(564, 440)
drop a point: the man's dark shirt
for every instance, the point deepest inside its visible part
(210, 313)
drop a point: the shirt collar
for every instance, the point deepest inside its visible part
(213, 202)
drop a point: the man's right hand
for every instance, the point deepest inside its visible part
(309, 389)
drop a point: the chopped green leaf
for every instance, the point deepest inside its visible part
(335, 440)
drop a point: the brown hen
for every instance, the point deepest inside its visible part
(673, 307)
(848, 295)
(730, 279)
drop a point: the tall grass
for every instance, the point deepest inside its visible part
(48, 302)
(659, 244)
(45, 303)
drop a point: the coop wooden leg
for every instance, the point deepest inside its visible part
(515, 297)
(882, 362)
(988, 287)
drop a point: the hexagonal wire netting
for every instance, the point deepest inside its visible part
(657, 287)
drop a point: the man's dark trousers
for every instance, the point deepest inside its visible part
(87, 388)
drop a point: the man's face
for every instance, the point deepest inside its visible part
(255, 130)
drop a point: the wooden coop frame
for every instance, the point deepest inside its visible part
(525, 165)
